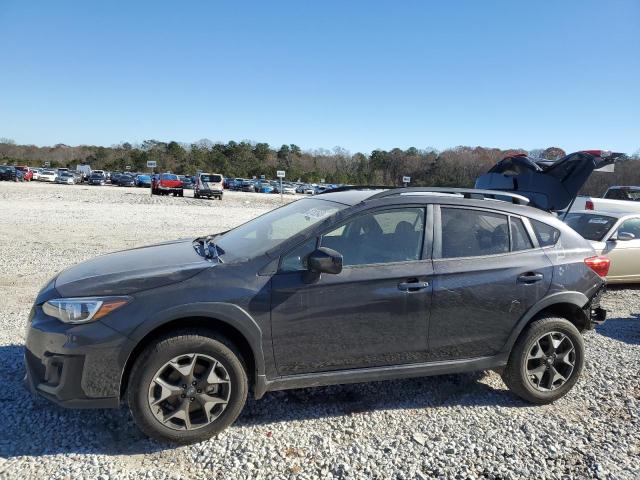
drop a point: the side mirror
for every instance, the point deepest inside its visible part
(625, 236)
(325, 260)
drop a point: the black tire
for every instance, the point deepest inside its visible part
(196, 195)
(166, 348)
(181, 193)
(521, 361)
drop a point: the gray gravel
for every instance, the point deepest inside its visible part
(457, 426)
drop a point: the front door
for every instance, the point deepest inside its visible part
(374, 313)
(487, 274)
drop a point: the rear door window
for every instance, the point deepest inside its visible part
(520, 239)
(473, 233)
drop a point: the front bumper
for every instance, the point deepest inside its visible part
(76, 366)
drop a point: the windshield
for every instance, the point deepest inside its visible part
(591, 227)
(269, 230)
(168, 176)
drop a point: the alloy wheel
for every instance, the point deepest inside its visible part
(551, 361)
(190, 391)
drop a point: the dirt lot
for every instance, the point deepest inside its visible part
(459, 426)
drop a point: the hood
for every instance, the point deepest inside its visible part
(130, 271)
(549, 185)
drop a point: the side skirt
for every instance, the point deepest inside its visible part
(362, 375)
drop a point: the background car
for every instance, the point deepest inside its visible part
(288, 189)
(97, 179)
(187, 182)
(115, 177)
(209, 185)
(126, 181)
(36, 173)
(143, 181)
(615, 235)
(48, 175)
(166, 184)
(247, 186)
(66, 178)
(8, 173)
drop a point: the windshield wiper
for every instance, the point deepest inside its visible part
(208, 248)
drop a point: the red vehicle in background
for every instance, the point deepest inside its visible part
(28, 173)
(166, 184)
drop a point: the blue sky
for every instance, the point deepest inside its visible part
(361, 75)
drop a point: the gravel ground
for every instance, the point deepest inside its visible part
(457, 426)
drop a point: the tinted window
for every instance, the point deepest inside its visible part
(546, 234)
(167, 176)
(472, 233)
(591, 227)
(382, 237)
(519, 237)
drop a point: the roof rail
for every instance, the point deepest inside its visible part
(356, 187)
(465, 192)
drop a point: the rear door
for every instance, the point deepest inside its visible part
(488, 271)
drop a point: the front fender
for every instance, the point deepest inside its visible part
(573, 298)
(230, 314)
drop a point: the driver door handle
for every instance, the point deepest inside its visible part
(530, 277)
(412, 286)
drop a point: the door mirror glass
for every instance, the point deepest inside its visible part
(625, 236)
(325, 260)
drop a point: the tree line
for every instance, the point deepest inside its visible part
(458, 166)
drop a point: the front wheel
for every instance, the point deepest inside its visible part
(546, 361)
(187, 387)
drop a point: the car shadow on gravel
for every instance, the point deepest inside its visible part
(623, 329)
(466, 390)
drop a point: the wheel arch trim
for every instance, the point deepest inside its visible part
(575, 299)
(229, 314)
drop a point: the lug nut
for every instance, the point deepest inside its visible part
(199, 390)
(184, 386)
(194, 383)
(192, 398)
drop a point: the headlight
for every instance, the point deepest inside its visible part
(82, 310)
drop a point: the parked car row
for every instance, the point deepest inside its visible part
(273, 186)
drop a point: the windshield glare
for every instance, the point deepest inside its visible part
(269, 230)
(591, 227)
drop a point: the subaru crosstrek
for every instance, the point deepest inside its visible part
(352, 286)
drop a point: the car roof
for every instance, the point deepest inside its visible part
(357, 196)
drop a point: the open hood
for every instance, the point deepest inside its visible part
(549, 185)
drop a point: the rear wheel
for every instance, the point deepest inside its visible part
(546, 361)
(187, 387)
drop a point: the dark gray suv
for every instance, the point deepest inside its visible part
(352, 286)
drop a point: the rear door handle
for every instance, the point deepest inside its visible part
(529, 278)
(412, 286)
